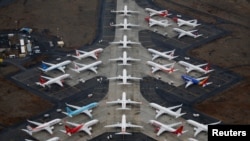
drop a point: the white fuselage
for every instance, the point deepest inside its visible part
(192, 23)
(153, 22)
(56, 80)
(156, 67)
(161, 110)
(198, 125)
(45, 125)
(188, 33)
(60, 66)
(154, 12)
(84, 54)
(91, 67)
(163, 127)
(190, 67)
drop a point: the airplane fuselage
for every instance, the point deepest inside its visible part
(196, 124)
(189, 78)
(80, 110)
(166, 110)
(47, 124)
(60, 66)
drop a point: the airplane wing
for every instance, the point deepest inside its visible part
(114, 125)
(197, 131)
(112, 78)
(133, 125)
(152, 24)
(49, 129)
(49, 64)
(159, 113)
(113, 102)
(87, 112)
(180, 23)
(201, 65)
(135, 78)
(188, 84)
(135, 25)
(35, 123)
(46, 77)
(59, 82)
(181, 34)
(116, 59)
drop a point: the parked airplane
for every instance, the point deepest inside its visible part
(152, 22)
(50, 139)
(186, 33)
(57, 80)
(86, 127)
(125, 42)
(182, 22)
(199, 127)
(48, 126)
(167, 54)
(167, 110)
(190, 67)
(84, 54)
(168, 68)
(124, 77)
(49, 66)
(169, 128)
(123, 101)
(84, 109)
(152, 12)
(125, 25)
(202, 81)
(82, 67)
(125, 11)
(124, 59)
(123, 125)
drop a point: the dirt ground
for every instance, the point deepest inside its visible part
(71, 20)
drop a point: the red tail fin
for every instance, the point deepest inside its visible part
(164, 14)
(42, 81)
(178, 131)
(68, 129)
(175, 19)
(77, 53)
(207, 67)
(204, 82)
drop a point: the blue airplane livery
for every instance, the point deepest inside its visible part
(202, 81)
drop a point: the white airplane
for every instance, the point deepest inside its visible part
(48, 126)
(123, 101)
(190, 67)
(167, 54)
(152, 22)
(169, 128)
(152, 12)
(186, 33)
(86, 127)
(123, 125)
(84, 54)
(125, 11)
(57, 80)
(168, 68)
(82, 67)
(124, 59)
(50, 139)
(49, 66)
(125, 25)
(169, 110)
(199, 127)
(124, 77)
(202, 81)
(125, 42)
(182, 22)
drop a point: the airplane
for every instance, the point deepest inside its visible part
(79, 127)
(123, 125)
(125, 11)
(50, 139)
(182, 22)
(202, 81)
(81, 67)
(191, 67)
(167, 110)
(125, 25)
(48, 126)
(169, 128)
(125, 42)
(84, 54)
(58, 80)
(199, 127)
(152, 12)
(84, 109)
(167, 54)
(169, 68)
(152, 22)
(123, 101)
(187, 33)
(124, 77)
(124, 59)
(49, 66)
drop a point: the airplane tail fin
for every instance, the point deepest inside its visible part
(172, 69)
(207, 68)
(205, 82)
(27, 131)
(179, 113)
(68, 111)
(179, 131)
(77, 53)
(68, 130)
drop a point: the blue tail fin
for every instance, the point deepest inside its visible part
(44, 66)
(68, 110)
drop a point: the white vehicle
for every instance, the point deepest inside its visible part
(125, 11)
(124, 77)
(82, 67)
(123, 102)
(199, 127)
(48, 126)
(124, 59)
(168, 68)
(153, 22)
(123, 125)
(49, 66)
(181, 22)
(86, 127)
(125, 25)
(191, 67)
(167, 128)
(167, 54)
(50, 139)
(84, 54)
(186, 33)
(167, 110)
(152, 12)
(125, 42)
(57, 80)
